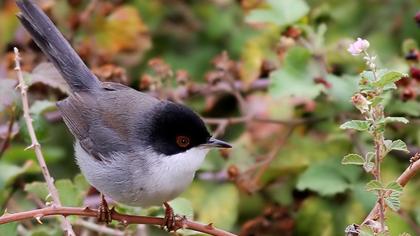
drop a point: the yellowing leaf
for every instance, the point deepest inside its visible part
(121, 31)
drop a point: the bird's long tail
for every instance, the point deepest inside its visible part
(56, 47)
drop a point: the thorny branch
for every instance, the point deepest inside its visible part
(223, 123)
(180, 222)
(410, 172)
(35, 144)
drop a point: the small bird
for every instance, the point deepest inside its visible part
(132, 147)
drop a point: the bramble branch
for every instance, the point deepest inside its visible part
(409, 173)
(180, 222)
(35, 144)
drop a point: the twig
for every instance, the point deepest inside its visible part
(102, 229)
(220, 129)
(244, 119)
(402, 180)
(35, 144)
(250, 179)
(84, 16)
(180, 222)
(219, 88)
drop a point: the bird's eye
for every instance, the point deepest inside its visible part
(182, 141)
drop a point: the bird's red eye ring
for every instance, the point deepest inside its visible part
(182, 141)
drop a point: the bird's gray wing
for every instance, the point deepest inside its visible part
(107, 121)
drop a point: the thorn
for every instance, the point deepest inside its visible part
(87, 209)
(5, 212)
(210, 226)
(124, 223)
(38, 218)
(29, 147)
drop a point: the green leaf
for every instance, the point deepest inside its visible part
(368, 166)
(342, 89)
(365, 231)
(281, 13)
(411, 107)
(80, 182)
(360, 125)
(313, 217)
(16, 154)
(9, 229)
(387, 79)
(395, 187)
(393, 201)
(398, 145)
(323, 179)
(377, 100)
(216, 203)
(395, 119)
(294, 78)
(69, 194)
(374, 185)
(40, 106)
(182, 207)
(37, 188)
(370, 156)
(9, 172)
(405, 234)
(353, 159)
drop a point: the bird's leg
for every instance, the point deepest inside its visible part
(104, 213)
(169, 219)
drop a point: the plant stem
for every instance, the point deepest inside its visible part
(409, 173)
(35, 144)
(377, 114)
(180, 222)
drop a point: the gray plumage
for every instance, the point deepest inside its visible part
(56, 47)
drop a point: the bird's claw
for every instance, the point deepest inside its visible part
(104, 214)
(170, 219)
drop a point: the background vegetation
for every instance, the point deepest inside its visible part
(271, 77)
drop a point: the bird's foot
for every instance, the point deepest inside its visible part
(170, 220)
(104, 214)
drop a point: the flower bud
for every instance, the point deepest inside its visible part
(360, 102)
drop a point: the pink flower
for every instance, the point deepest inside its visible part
(358, 47)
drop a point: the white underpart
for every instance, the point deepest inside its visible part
(124, 179)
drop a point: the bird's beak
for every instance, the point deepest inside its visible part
(215, 143)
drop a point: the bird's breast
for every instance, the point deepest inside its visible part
(168, 176)
(143, 178)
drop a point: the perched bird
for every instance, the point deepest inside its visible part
(130, 146)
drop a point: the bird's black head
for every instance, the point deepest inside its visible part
(175, 129)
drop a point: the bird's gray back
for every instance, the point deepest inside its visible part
(108, 120)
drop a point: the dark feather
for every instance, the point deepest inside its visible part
(56, 47)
